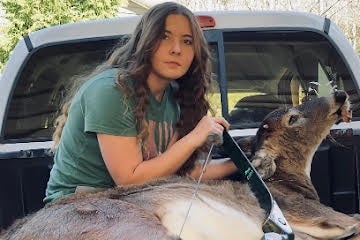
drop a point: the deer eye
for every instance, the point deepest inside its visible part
(293, 119)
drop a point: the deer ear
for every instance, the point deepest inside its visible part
(264, 165)
(247, 144)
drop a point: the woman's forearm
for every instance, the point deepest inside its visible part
(166, 163)
(216, 169)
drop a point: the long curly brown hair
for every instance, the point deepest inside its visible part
(133, 59)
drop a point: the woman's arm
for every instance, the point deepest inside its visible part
(216, 169)
(124, 160)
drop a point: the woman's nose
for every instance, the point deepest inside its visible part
(175, 48)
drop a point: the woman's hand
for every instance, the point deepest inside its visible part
(206, 126)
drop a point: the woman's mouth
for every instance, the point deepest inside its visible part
(173, 64)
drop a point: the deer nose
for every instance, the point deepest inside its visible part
(340, 96)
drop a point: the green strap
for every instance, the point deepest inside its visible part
(274, 221)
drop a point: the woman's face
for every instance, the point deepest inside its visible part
(175, 53)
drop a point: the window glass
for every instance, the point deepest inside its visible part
(267, 70)
(41, 86)
(264, 71)
(215, 96)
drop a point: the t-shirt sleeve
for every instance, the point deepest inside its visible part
(106, 111)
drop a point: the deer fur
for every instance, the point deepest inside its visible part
(222, 209)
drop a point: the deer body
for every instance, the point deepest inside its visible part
(285, 144)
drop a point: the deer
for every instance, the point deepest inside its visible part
(165, 208)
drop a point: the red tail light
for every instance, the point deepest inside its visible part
(206, 21)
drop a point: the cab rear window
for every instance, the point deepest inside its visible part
(271, 69)
(254, 73)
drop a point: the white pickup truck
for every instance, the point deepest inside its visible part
(261, 61)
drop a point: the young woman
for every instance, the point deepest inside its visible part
(143, 113)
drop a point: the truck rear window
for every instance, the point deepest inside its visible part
(258, 72)
(271, 69)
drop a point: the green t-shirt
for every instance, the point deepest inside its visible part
(99, 107)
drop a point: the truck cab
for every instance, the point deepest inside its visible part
(260, 61)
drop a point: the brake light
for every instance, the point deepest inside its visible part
(206, 21)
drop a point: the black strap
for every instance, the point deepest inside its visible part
(28, 43)
(327, 25)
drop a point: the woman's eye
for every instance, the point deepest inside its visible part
(188, 41)
(293, 119)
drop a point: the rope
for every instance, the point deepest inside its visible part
(196, 188)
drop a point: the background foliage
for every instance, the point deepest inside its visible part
(345, 13)
(25, 16)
